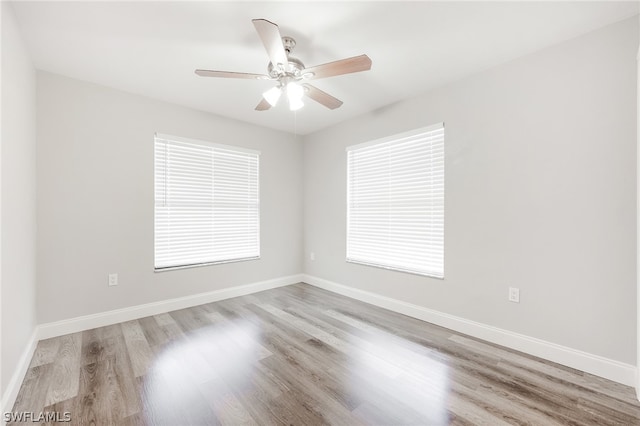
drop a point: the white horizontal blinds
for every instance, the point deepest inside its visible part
(207, 205)
(395, 215)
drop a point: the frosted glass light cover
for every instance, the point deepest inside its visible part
(272, 95)
(295, 93)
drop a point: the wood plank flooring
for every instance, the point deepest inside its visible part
(299, 355)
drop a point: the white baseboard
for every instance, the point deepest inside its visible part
(580, 360)
(11, 392)
(102, 319)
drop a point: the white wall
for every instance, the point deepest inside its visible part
(638, 221)
(17, 197)
(95, 199)
(540, 195)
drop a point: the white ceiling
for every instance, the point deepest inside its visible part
(152, 48)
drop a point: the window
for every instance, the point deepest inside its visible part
(395, 202)
(207, 204)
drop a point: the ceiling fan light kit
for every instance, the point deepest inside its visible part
(294, 92)
(290, 72)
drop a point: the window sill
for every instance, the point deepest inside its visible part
(199, 265)
(392, 268)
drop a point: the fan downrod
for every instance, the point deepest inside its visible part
(289, 43)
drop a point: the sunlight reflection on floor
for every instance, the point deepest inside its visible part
(419, 381)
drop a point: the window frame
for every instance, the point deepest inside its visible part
(213, 146)
(380, 141)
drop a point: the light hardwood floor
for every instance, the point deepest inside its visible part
(299, 355)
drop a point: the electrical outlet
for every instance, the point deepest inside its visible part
(312, 256)
(514, 294)
(113, 279)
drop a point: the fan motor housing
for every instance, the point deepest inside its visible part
(295, 67)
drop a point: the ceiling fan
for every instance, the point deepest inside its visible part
(290, 73)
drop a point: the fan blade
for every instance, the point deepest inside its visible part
(272, 40)
(343, 66)
(228, 74)
(263, 105)
(322, 97)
